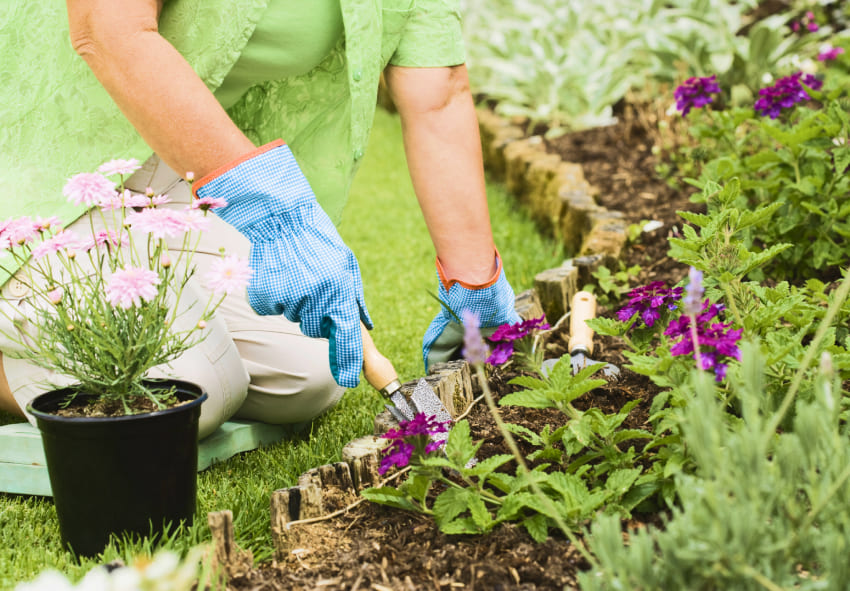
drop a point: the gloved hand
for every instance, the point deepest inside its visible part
(301, 268)
(493, 301)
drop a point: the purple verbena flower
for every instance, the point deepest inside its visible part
(501, 353)
(717, 342)
(648, 301)
(504, 336)
(412, 439)
(786, 93)
(695, 92)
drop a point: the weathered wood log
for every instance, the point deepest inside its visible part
(363, 456)
(337, 475)
(452, 383)
(555, 288)
(227, 556)
(528, 305)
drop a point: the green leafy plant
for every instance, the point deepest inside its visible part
(613, 284)
(792, 167)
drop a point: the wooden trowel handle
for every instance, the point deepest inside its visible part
(583, 308)
(377, 369)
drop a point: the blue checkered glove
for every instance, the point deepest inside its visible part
(301, 268)
(493, 301)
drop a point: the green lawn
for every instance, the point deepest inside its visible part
(385, 229)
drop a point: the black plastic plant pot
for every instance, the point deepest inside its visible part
(133, 474)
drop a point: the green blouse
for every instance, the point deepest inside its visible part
(56, 120)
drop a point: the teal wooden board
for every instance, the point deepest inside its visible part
(23, 469)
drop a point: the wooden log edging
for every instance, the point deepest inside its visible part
(555, 192)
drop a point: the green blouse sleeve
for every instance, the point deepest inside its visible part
(432, 36)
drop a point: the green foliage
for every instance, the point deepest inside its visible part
(611, 285)
(792, 171)
(761, 511)
(566, 63)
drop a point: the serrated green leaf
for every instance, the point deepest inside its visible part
(459, 446)
(487, 466)
(537, 527)
(390, 496)
(626, 434)
(621, 480)
(450, 503)
(464, 525)
(480, 515)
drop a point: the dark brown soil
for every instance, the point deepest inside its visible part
(375, 547)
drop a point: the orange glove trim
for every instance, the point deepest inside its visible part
(230, 165)
(447, 283)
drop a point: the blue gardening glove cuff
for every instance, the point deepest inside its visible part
(492, 301)
(301, 268)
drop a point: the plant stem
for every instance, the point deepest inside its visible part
(811, 351)
(553, 511)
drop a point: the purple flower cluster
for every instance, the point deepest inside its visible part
(412, 437)
(507, 334)
(647, 302)
(807, 21)
(717, 342)
(787, 92)
(695, 92)
(830, 53)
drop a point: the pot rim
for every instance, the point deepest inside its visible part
(181, 385)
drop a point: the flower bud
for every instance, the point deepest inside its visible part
(202, 324)
(70, 328)
(165, 260)
(55, 296)
(190, 176)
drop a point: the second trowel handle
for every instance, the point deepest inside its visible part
(583, 308)
(377, 369)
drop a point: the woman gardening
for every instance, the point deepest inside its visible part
(267, 104)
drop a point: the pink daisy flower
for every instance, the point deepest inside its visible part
(47, 223)
(19, 231)
(122, 167)
(228, 275)
(64, 240)
(108, 237)
(88, 188)
(159, 223)
(193, 220)
(131, 286)
(158, 200)
(205, 203)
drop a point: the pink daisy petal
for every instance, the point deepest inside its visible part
(205, 203)
(228, 275)
(122, 167)
(88, 188)
(64, 240)
(131, 286)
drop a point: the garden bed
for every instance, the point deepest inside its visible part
(376, 547)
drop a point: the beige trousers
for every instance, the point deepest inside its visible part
(251, 366)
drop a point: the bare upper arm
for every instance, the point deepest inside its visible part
(95, 25)
(422, 90)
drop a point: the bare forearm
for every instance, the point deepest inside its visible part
(443, 150)
(153, 85)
